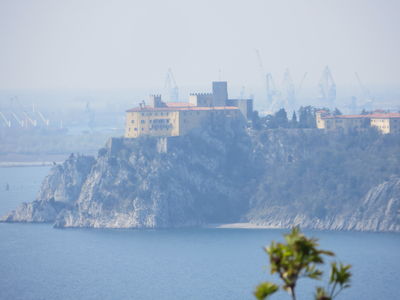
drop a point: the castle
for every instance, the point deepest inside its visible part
(384, 122)
(163, 119)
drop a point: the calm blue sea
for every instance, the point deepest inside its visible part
(40, 262)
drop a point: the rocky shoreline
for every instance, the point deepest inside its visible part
(218, 176)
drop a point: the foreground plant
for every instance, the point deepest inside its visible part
(299, 258)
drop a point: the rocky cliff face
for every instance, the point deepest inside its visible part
(278, 178)
(148, 182)
(378, 210)
(325, 181)
(59, 191)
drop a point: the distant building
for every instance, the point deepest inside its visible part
(158, 118)
(384, 122)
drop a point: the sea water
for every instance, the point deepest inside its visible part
(40, 262)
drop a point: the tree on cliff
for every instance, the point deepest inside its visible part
(299, 258)
(337, 112)
(307, 117)
(293, 121)
(277, 120)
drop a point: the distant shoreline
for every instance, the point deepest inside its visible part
(240, 226)
(12, 164)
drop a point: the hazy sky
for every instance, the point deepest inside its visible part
(49, 44)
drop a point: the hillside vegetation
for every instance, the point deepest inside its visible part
(226, 173)
(320, 174)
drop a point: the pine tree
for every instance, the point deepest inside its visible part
(293, 121)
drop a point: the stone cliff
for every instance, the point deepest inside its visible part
(378, 210)
(277, 178)
(148, 182)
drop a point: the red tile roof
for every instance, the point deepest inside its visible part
(346, 117)
(385, 115)
(370, 116)
(179, 104)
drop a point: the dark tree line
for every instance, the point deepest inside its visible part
(304, 118)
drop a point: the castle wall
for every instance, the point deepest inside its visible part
(192, 119)
(202, 99)
(244, 105)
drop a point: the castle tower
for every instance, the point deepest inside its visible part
(220, 92)
(155, 101)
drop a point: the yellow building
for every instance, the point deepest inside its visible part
(384, 122)
(171, 119)
(319, 118)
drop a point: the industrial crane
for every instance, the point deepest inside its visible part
(366, 94)
(6, 121)
(288, 91)
(327, 87)
(28, 118)
(171, 86)
(272, 92)
(19, 121)
(302, 82)
(45, 121)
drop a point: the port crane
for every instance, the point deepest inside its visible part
(29, 119)
(6, 121)
(288, 91)
(302, 82)
(38, 113)
(171, 86)
(19, 121)
(272, 92)
(365, 92)
(327, 87)
(45, 121)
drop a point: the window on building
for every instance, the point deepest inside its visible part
(143, 121)
(132, 121)
(135, 129)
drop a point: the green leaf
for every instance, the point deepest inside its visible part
(321, 294)
(265, 290)
(340, 274)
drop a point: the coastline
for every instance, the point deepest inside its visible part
(240, 226)
(12, 160)
(12, 164)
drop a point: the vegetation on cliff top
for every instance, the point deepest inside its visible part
(319, 172)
